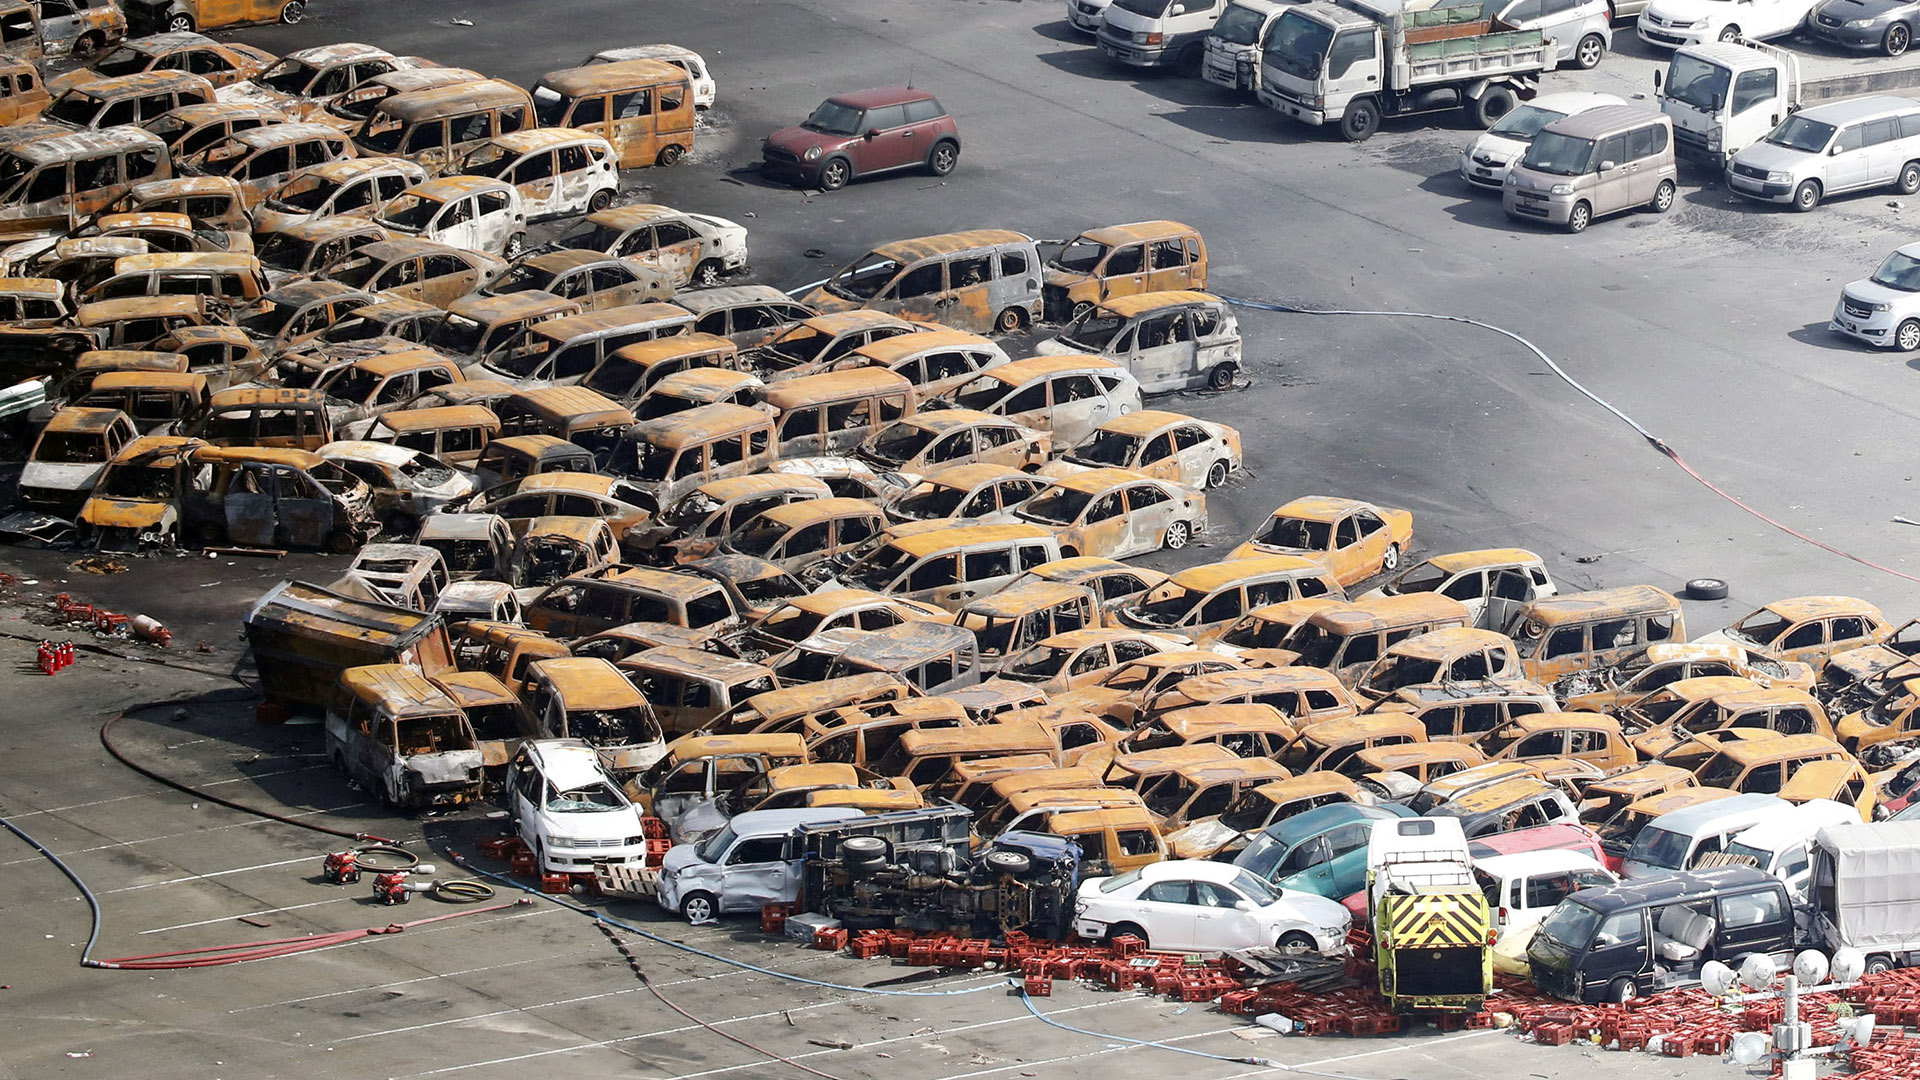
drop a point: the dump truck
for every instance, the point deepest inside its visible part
(1725, 95)
(1352, 62)
(1432, 932)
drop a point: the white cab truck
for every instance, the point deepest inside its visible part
(1233, 48)
(1351, 62)
(1159, 33)
(1866, 891)
(1726, 95)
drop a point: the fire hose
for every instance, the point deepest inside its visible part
(220, 955)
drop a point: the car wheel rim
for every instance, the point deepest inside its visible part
(698, 910)
(1177, 535)
(1217, 476)
(1910, 336)
(1589, 52)
(1897, 40)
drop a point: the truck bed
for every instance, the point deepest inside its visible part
(1485, 56)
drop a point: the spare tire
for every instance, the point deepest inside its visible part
(1706, 588)
(1008, 862)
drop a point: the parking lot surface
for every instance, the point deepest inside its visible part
(1707, 326)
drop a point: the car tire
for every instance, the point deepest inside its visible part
(1622, 990)
(1909, 181)
(1806, 196)
(293, 12)
(1730, 34)
(88, 47)
(1897, 39)
(1663, 197)
(708, 274)
(1079, 309)
(1877, 965)
(835, 174)
(342, 542)
(1362, 119)
(1587, 54)
(600, 201)
(1009, 862)
(1494, 103)
(669, 154)
(180, 23)
(1390, 560)
(1127, 929)
(1010, 321)
(515, 247)
(1907, 337)
(1709, 588)
(945, 155)
(1217, 474)
(1579, 218)
(699, 907)
(1221, 377)
(1297, 939)
(1179, 534)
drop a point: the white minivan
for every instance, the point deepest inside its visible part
(1523, 889)
(1672, 842)
(1580, 31)
(1826, 149)
(1484, 162)
(1781, 846)
(1159, 33)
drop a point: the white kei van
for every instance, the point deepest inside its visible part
(1672, 842)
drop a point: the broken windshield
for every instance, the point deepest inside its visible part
(1081, 256)
(865, 278)
(1297, 533)
(1106, 448)
(597, 798)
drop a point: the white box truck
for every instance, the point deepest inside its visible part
(1866, 891)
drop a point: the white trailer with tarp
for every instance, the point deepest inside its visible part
(1866, 891)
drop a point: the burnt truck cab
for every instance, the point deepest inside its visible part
(1624, 941)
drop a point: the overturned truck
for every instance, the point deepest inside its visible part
(913, 870)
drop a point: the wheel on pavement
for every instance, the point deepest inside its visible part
(1587, 54)
(1579, 218)
(1217, 474)
(1361, 121)
(945, 155)
(1663, 197)
(835, 174)
(698, 907)
(1707, 588)
(1178, 534)
(1806, 196)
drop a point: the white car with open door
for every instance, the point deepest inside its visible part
(569, 811)
(1193, 905)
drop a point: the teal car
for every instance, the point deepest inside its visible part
(1322, 851)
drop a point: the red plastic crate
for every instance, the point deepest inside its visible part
(1038, 986)
(555, 883)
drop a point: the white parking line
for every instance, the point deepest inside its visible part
(602, 1043)
(207, 876)
(248, 824)
(246, 915)
(1108, 1049)
(546, 959)
(509, 1012)
(163, 791)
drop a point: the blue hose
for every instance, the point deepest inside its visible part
(93, 902)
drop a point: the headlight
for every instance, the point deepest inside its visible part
(1146, 37)
(1880, 307)
(1512, 180)
(813, 153)
(1859, 24)
(1562, 189)
(1779, 177)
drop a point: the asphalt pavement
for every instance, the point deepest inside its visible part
(1706, 325)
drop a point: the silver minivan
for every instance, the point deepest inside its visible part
(1594, 163)
(1826, 149)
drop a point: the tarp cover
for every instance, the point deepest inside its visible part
(1875, 881)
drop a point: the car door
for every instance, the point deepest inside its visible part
(572, 181)
(754, 872)
(1103, 528)
(303, 509)
(1167, 265)
(1162, 351)
(248, 506)
(454, 224)
(676, 250)
(1307, 867)
(1168, 912)
(1079, 406)
(887, 141)
(1510, 590)
(1149, 511)
(1125, 272)
(1613, 186)
(495, 218)
(533, 177)
(1218, 921)
(59, 24)
(919, 293)
(446, 278)
(1758, 921)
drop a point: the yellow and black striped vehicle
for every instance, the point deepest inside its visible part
(1432, 931)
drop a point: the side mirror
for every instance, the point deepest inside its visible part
(1656, 81)
(1834, 150)
(1608, 166)
(872, 133)
(1714, 105)
(1177, 9)
(1244, 905)
(1602, 941)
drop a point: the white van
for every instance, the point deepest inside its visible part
(751, 862)
(1826, 149)
(1781, 846)
(1484, 162)
(1233, 45)
(1671, 842)
(1159, 33)
(1523, 888)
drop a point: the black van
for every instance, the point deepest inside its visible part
(1619, 942)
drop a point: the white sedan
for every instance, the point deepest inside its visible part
(1194, 905)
